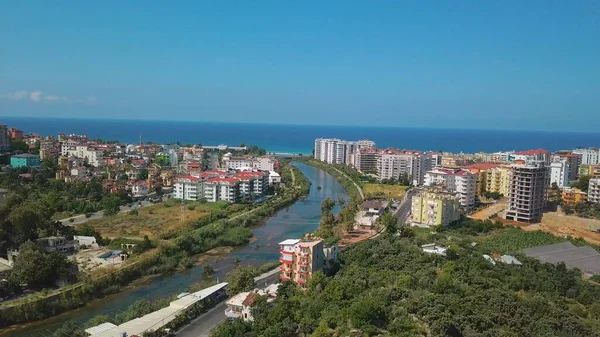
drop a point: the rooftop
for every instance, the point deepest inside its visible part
(289, 242)
(533, 152)
(25, 155)
(482, 166)
(585, 258)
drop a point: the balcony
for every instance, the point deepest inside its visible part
(286, 268)
(301, 281)
(282, 260)
(285, 252)
(303, 262)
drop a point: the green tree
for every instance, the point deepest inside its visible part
(143, 174)
(19, 145)
(583, 183)
(70, 329)
(25, 220)
(110, 204)
(240, 279)
(31, 267)
(389, 222)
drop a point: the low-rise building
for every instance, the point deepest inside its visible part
(372, 207)
(456, 161)
(80, 171)
(432, 248)
(240, 305)
(434, 208)
(274, 178)
(140, 189)
(15, 134)
(25, 160)
(594, 190)
(572, 196)
(58, 244)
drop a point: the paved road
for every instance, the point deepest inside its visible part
(79, 219)
(362, 195)
(203, 325)
(404, 210)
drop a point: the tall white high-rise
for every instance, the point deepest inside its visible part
(337, 151)
(589, 156)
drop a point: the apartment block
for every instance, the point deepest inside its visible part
(594, 190)
(481, 170)
(25, 160)
(435, 207)
(49, 149)
(527, 192)
(218, 185)
(456, 161)
(572, 196)
(227, 189)
(498, 180)
(4, 140)
(589, 170)
(460, 182)
(366, 160)
(337, 151)
(265, 163)
(393, 163)
(572, 159)
(538, 155)
(300, 259)
(559, 173)
(590, 156)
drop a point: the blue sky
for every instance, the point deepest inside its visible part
(473, 64)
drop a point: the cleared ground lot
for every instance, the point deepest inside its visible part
(563, 225)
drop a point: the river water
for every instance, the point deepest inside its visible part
(291, 222)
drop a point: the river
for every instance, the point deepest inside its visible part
(291, 222)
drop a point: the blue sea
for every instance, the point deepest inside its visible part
(300, 138)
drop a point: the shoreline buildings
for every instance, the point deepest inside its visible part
(462, 183)
(337, 151)
(393, 163)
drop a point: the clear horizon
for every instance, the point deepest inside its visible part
(459, 65)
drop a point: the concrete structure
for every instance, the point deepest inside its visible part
(82, 240)
(527, 192)
(365, 160)
(25, 160)
(432, 248)
(372, 207)
(57, 244)
(300, 259)
(559, 173)
(80, 171)
(498, 180)
(393, 163)
(572, 196)
(49, 149)
(157, 319)
(590, 156)
(594, 190)
(509, 259)
(434, 208)
(589, 170)
(337, 151)
(461, 182)
(4, 140)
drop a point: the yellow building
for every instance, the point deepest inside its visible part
(498, 180)
(434, 207)
(589, 170)
(573, 195)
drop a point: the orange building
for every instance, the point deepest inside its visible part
(15, 134)
(300, 259)
(573, 195)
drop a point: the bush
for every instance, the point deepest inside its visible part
(88, 215)
(71, 220)
(191, 207)
(133, 212)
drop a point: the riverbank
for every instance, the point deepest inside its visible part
(167, 258)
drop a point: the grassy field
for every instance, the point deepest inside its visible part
(384, 191)
(153, 220)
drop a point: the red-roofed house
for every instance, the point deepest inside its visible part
(140, 189)
(216, 189)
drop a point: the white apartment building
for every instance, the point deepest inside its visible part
(460, 182)
(265, 163)
(391, 164)
(539, 155)
(594, 191)
(188, 188)
(559, 173)
(92, 156)
(337, 151)
(506, 157)
(589, 156)
(227, 189)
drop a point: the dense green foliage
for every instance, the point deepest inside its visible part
(240, 279)
(583, 183)
(389, 287)
(38, 270)
(584, 210)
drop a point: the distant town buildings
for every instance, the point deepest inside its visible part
(15, 134)
(393, 163)
(460, 182)
(539, 155)
(590, 156)
(265, 163)
(527, 191)
(300, 259)
(589, 170)
(559, 173)
(433, 207)
(572, 196)
(25, 160)
(337, 151)
(573, 161)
